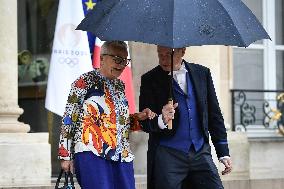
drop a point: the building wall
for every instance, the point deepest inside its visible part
(144, 58)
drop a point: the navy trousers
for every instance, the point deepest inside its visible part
(94, 172)
(175, 169)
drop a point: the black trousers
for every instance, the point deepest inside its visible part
(176, 170)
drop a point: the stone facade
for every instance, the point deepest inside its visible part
(25, 157)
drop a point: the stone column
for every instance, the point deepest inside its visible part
(25, 157)
(9, 109)
(144, 58)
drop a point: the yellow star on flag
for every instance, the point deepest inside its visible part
(90, 5)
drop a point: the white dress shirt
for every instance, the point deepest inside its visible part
(180, 78)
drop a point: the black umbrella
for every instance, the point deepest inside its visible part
(175, 23)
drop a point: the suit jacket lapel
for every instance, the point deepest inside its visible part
(196, 78)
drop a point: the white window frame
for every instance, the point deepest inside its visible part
(269, 48)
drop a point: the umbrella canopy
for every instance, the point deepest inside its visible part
(175, 23)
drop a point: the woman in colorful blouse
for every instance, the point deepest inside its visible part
(96, 124)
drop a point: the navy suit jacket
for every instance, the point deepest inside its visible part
(154, 93)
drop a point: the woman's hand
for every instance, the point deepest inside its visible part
(146, 114)
(67, 165)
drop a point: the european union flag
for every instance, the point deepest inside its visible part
(87, 6)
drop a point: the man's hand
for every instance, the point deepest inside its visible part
(146, 114)
(228, 165)
(67, 166)
(168, 112)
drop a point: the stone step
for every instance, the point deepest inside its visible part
(139, 179)
(138, 186)
(228, 184)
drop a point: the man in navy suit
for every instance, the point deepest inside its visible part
(180, 158)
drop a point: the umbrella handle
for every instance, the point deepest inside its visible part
(170, 123)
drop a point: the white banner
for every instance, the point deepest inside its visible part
(70, 55)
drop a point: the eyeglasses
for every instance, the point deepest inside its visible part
(119, 60)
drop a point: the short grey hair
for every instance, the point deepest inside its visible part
(112, 44)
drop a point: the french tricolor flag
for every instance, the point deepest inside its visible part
(74, 53)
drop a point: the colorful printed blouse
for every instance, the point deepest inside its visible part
(97, 119)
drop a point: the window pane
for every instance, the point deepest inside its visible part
(256, 7)
(36, 25)
(279, 14)
(280, 69)
(248, 69)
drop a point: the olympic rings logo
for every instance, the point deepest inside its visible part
(69, 61)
